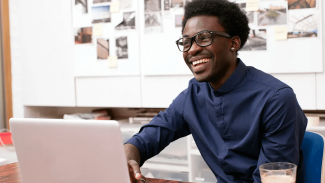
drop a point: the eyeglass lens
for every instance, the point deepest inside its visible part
(202, 39)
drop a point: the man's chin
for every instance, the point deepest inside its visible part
(201, 79)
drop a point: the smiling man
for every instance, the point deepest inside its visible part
(239, 117)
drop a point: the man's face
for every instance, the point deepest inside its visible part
(216, 58)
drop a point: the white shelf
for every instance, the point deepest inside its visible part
(166, 167)
(195, 152)
(169, 161)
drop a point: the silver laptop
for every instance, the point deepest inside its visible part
(69, 151)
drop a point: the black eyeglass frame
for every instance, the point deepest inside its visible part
(224, 34)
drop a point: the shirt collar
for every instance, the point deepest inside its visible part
(236, 77)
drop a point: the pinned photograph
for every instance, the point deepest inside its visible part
(128, 21)
(303, 26)
(256, 40)
(122, 47)
(301, 4)
(101, 14)
(101, 1)
(166, 5)
(81, 6)
(83, 35)
(187, 1)
(273, 13)
(249, 14)
(152, 5)
(125, 4)
(178, 20)
(177, 3)
(153, 23)
(102, 48)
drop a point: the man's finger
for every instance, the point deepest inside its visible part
(136, 169)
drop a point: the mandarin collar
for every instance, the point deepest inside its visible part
(235, 79)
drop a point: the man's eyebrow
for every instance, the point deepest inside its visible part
(186, 36)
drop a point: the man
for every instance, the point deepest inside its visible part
(239, 116)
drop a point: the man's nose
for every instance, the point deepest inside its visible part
(195, 49)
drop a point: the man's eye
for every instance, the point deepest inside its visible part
(186, 43)
(204, 38)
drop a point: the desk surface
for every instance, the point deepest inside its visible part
(10, 174)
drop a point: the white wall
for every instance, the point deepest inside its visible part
(2, 84)
(16, 59)
(320, 77)
(309, 88)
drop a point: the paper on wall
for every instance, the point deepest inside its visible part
(280, 33)
(112, 61)
(97, 29)
(252, 5)
(115, 7)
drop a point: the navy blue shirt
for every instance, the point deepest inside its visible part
(252, 119)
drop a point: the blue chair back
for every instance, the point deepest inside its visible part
(313, 149)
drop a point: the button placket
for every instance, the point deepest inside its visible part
(221, 126)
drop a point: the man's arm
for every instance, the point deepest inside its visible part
(133, 161)
(152, 138)
(283, 125)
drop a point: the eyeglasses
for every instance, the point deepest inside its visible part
(203, 38)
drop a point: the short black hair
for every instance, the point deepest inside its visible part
(231, 17)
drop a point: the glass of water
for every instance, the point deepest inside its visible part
(278, 172)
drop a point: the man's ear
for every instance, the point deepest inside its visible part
(235, 43)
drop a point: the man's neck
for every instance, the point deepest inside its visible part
(220, 80)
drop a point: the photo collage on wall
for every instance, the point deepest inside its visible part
(155, 11)
(93, 25)
(299, 16)
(152, 16)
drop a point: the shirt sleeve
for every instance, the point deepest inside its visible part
(284, 125)
(164, 128)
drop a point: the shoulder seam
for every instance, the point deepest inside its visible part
(269, 85)
(276, 91)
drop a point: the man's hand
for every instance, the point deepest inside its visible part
(134, 171)
(133, 160)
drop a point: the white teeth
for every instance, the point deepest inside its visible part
(200, 61)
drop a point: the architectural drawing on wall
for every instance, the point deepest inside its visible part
(102, 48)
(273, 13)
(122, 47)
(249, 14)
(256, 40)
(153, 23)
(152, 5)
(81, 6)
(301, 4)
(101, 1)
(177, 3)
(166, 5)
(128, 21)
(303, 26)
(178, 20)
(83, 35)
(101, 14)
(125, 4)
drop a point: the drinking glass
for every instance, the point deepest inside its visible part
(278, 172)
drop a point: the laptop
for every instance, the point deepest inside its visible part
(69, 151)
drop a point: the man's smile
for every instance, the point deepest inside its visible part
(201, 61)
(199, 65)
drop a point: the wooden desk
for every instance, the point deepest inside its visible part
(10, 174)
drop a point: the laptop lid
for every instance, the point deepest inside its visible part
(69, 151)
